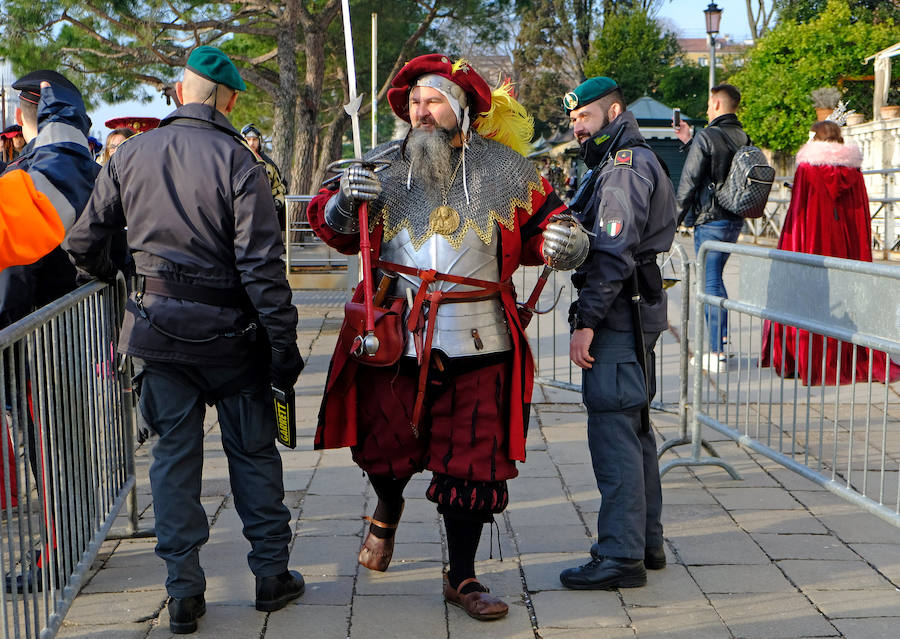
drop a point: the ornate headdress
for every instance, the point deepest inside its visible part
(498, 115)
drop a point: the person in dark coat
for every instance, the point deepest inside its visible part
(709, 156)
(211, 322)
(629, 204)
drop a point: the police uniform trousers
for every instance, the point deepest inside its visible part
(623, 456)
(173, 400)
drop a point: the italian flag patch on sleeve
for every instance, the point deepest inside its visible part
(613, 227)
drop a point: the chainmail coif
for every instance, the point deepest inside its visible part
(499, 181)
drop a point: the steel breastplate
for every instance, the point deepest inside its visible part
(461, 328)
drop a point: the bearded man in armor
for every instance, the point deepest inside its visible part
(453, 210)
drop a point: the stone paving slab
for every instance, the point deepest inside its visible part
(771, 616)
(674, 587)
(804, 547)
(579, 609)
(773, 556)
(833, 575)
(856, 604)
(728, 579)
(783, 522)
(867, 628)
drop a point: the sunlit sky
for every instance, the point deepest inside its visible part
(684, 15)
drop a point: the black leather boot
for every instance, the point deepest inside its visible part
(654, 558)
(274, 593)
(608, 573)
(184, 613)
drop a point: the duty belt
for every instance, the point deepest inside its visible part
(416, 321)
(228, 297)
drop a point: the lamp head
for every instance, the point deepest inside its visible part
(713, 14)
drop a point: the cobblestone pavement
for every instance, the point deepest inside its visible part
(772, 556)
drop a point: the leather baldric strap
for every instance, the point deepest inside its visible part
(416, 320)
(228, 297)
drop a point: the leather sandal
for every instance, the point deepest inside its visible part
(477, 604)
(376, 552)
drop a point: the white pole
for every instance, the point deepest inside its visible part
(374, 80)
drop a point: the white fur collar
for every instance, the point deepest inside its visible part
(816, 152)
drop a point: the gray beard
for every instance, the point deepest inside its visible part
(430, 156)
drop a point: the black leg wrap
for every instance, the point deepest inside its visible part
(390, 502)
(463, 535)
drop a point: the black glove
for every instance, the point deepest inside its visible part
(285, 367)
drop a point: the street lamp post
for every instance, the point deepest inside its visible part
(713, 14)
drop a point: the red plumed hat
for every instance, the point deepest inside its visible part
(459, 72)
(136, 124)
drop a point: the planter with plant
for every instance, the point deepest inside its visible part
(825, 99)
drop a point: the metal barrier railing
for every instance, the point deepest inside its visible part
(311, 262)
(67, 452)
(798, 414)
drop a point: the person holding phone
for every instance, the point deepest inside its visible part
(708, 161)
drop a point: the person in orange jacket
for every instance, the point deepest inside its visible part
(29, 224)
(35, 205)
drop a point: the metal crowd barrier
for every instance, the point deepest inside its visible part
(67, 452)
(549, 336)
(841, 437)
(309, 262)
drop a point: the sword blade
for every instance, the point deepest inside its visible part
(352, 111)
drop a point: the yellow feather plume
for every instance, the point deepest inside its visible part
(507, 121)
(459, 64)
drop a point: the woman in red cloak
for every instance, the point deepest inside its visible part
(828, 215)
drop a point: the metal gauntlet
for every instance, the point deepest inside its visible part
(358, 184)
(566, 243)
(340, 215)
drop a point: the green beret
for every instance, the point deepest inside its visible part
(210, 63)
(588, 91)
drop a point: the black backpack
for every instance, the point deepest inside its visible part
(745, 189)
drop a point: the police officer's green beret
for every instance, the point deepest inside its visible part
(588, 91)
(210, 63)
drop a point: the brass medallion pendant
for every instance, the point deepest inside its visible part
(444, 220)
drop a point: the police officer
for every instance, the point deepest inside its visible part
(211, 321)
(629, 204)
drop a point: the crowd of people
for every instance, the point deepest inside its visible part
(432, 368)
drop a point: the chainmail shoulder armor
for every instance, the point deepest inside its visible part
(499, 181)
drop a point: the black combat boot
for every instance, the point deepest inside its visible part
(184, 613)
(607, 573)
(274, 593)
(654, 558)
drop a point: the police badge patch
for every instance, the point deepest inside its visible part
(623, 157)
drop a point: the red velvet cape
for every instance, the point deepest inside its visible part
(828, 215)
(337, 416)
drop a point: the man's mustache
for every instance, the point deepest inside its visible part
(428, 120)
